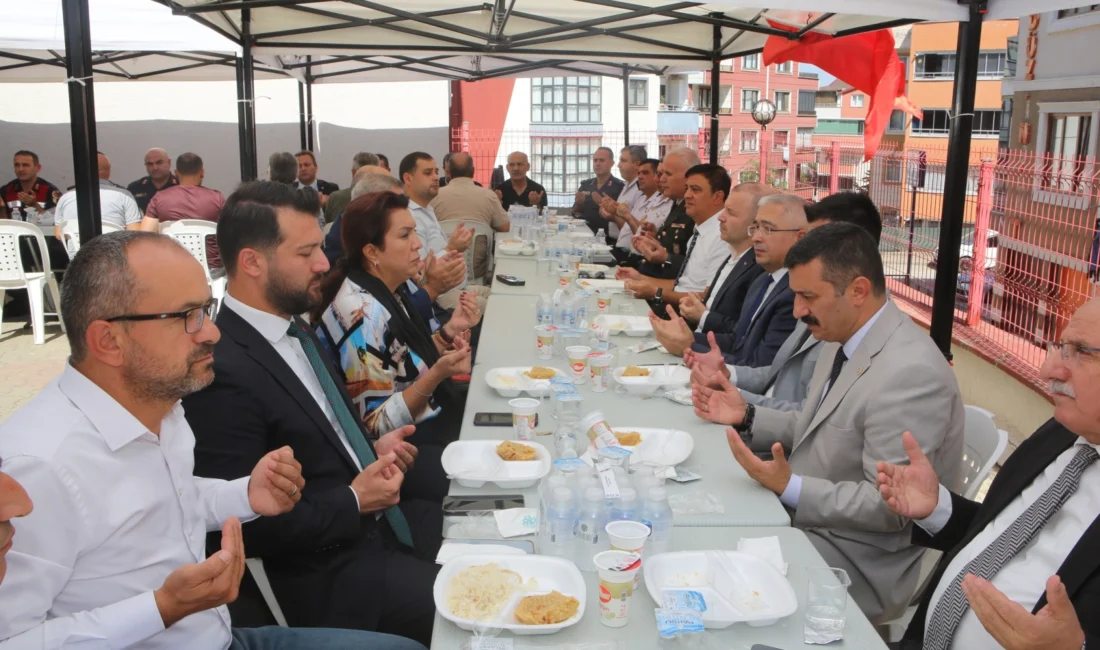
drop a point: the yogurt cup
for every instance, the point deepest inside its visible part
(524, 410)
(618, 571)
(598, 431)
(627, 535)
(566, 277)
(578, 362)
(599, 364)
(544, 341)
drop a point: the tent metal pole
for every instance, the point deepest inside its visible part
(302, 116)
(626, 106)
(955, 177)
(78, 61)
(309, 104)
(249, 76)
(242, 121)
(715, 84)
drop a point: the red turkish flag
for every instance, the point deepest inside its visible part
(867, 62)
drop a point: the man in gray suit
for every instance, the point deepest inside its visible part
(783, 385)
(878, 376)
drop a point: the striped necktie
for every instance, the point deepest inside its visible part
(349, 424)
(691, 247)
(953, 604)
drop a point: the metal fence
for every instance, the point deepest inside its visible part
(1029, 254)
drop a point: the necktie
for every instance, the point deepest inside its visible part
(758, 299)
(714, 283)
(952, 606)
(691, 247)
(349, 424)
(838, 365)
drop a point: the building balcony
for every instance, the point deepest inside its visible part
(677, 120)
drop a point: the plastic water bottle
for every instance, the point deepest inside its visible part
(657, 514)
(626, 506)
(568, 312)
(580, 303)
(588, 534)
(544, 310)
(565, 440)
(561, 515)
(601, 236)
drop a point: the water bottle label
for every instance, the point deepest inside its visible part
(684, 600)
(586, 533)
(607, 480)
(649, 525)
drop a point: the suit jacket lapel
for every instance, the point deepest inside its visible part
(787, 352)
(741, 268)
(779, 288)
(262, 352)
(714, 281)
(1080, 564)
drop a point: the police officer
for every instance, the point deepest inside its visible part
(28, 197)
(675, 234)
(586, 204)
(158, 166)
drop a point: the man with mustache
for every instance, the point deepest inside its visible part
(114, 553)
(878, 375)
(1019, 570)
(357, 552)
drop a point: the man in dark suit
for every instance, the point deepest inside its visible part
(355, 553)
(767, 318)
(307, 176)
(1020, 570)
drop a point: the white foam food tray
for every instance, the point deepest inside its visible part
(549, 574)
(516, 248)
(473, 463)
(665, 447)
(629, 325)
(741, 589)
(595, 285)
(666, 377)
(510, 382)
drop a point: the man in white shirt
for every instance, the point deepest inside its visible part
(630, 158)
(114, 553)
(879, 375)
(117, 206)
(1019, 570)
(708, 186)
(420, 175)
(648, 206)
(14, 503)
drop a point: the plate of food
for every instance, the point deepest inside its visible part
(665, 447)
(516, 247)
(628, 325)
(645, 380)
(507, 464)
(595, 268)
(522, 594)
(533, 380)
(735, 587)
(600, 285)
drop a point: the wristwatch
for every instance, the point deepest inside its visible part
(745, 428)
(660, 293)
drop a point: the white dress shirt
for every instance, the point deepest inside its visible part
(116, 510)
(790, 495)
(709, 252)
(629, 196)
(430, 233)
(652, 209)
(1024, 578)
(723, 275)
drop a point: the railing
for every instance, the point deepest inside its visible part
(1031, 244)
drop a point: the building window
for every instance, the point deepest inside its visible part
(560, 164)
(781, 139)
(805, 136)
(1067, 146)
(897, 122)
(784, 68)
(751, 62)
(891, 217)
(725, 144)
(702, 99)
(893, 170)
(566, 100)
(727, 65)
(782, 101)
(639, 93)
(857, 100)
(992, 64)
(935, 66)
(1006, 121)
(938, 122)
(1079, 11)
(777, 178)
(807, 102)
(750, 141)
(749, 97)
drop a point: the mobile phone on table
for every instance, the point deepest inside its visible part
(497, 419)
(463, 506)
(511, 280)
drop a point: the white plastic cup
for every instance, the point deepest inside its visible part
(617, 584)
(566, 276)
(600, 365)
(578, 361)
(603, 300)
(544, 341)
(524, 410)
(597, 431)
(627, 535)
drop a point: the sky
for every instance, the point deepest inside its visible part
(824, 77)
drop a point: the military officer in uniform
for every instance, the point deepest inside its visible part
(587, 203)
(158, 169)
(661, 256)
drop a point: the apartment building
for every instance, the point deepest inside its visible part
(841, 110)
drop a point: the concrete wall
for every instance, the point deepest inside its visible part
(126, 142)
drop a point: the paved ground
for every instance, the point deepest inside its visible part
(26, 367)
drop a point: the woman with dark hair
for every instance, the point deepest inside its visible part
(397, 371)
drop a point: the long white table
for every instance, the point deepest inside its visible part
(507, 339)
(641, 632)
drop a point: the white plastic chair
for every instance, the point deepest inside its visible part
(256, 568)
(192, 234)
(70, 234)
(482, 232)
(12, 275)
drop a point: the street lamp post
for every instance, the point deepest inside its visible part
(763, 113)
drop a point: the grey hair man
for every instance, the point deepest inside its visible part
(282, 167)
(463, 201)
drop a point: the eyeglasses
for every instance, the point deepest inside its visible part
(767, 230)
(1071, 352)
(193, 318)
